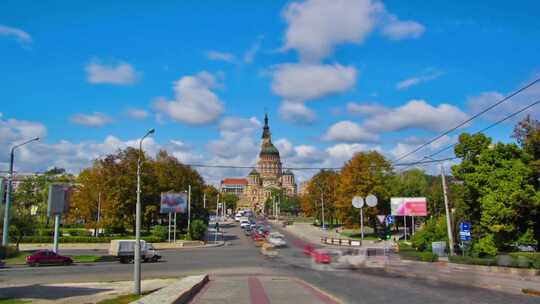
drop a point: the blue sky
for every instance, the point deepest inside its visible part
(336, 77)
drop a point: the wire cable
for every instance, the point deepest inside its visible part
(468, 120)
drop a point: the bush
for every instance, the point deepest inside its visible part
(7, 252)
(197, 230)
(160, 232)
(485, 246)
(472, 260)
(428, 257)
(434, 230)
(533, 259)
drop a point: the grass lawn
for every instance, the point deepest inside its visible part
(20, 258)
(125, 299)
(356, 234)
(13, 301)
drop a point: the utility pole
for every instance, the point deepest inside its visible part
(137, 260)
(5, 231)
(188, 209)
(322, 204)
(448, 221)
(204, 200)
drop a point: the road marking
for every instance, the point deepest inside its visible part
(323, 297)
(257, 294)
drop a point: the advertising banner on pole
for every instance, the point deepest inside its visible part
(408, 206)
(172, 202)
(59, 199)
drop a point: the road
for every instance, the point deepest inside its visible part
(241, 258)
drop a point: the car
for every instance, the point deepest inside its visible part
(244, 224)
(308, 249)
(322, 256)
(47, 257)
(276, 239)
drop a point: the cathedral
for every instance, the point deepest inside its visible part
(267, 175)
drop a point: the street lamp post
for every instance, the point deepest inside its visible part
(5, 232)
(137, 261)
(447, 211)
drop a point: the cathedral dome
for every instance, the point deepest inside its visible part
(269, 149)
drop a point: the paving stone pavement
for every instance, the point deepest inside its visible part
(261, 290)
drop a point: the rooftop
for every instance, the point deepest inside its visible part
(234, 181)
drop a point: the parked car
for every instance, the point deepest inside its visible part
(47, 257)
(276, 239)
(124, 250)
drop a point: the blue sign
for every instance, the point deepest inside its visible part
(465, 231)
(389, 220)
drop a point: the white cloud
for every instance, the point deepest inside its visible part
(285, 147)
(221, 56)
(96, 119)
(365, 109)
(137, 113)
(417, 114)
(249, 55)
(122, 73)
(20, 35)
(412, 81)
(349, 131)
(296, 112)
(299, 82)
(396, 29)
(344, 152)
(194, 102)
(479, 102)
(316, 27)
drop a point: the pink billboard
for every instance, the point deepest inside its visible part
(408, 206)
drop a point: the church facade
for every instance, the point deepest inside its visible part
(267, 176)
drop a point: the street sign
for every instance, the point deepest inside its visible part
(358, 202)
(381, 218)
(389, 220)
(465, 231)
(371, 200)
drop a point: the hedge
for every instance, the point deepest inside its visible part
(84, 239)
(472, 260)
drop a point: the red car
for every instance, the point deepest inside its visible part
(308, 250)
(47, 257)
(321, 257)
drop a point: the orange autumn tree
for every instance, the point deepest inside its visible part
(366, 173)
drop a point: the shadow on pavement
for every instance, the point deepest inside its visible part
(47, 292)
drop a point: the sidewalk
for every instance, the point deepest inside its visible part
(479, 276)
(105, 246)
(261, 290)
(314, 234)
(77, 292)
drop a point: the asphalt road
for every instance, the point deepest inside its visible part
(241, 257)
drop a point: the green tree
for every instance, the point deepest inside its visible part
(500, 195)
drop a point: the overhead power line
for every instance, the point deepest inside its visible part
(491, 125)
(468, 120)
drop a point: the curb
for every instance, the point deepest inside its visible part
(179, 292)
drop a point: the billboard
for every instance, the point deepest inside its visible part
(59, 197)
(172, 202)
(408, 206)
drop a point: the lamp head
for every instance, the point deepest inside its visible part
(151, 131)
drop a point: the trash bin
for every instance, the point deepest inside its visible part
(439, 248)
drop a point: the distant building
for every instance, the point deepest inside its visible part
(302, 189)
(233, 185)
(267, 176)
